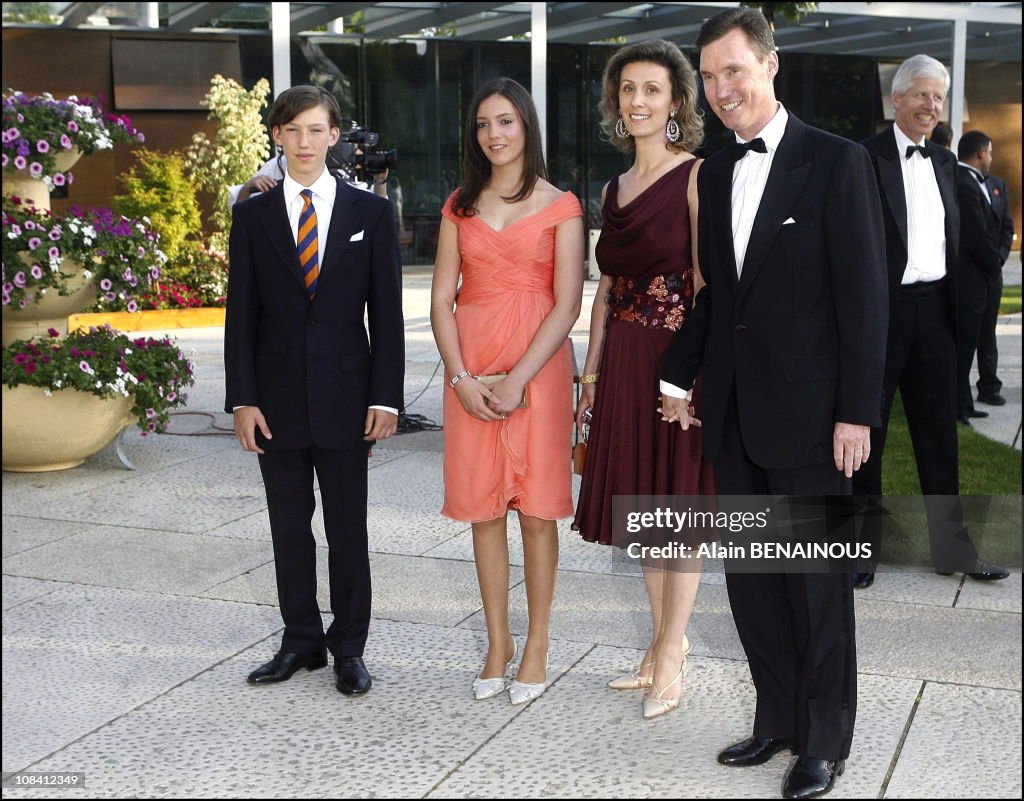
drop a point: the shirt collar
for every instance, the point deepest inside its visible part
(772, 133)
(974, 170)
(903, 141)
(324, 187)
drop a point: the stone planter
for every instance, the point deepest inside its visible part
(58, 432)
(52, 310)
(32, 190)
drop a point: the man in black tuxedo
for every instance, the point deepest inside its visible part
(989, 384)
(309, 388)
(980, 267)
(788, 337)
(918, 185)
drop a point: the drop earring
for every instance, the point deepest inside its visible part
(672, 132)
(620, 129)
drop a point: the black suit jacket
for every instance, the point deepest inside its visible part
(1001, 206)
(889, 174)
(310, 366)
(801, 335)
(979, 228)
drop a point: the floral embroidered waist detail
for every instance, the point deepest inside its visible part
(659, 301)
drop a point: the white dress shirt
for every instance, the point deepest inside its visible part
(926, 216)
(749, 178)
(979, 178)
(325, 188)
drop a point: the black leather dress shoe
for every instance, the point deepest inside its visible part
(754, 751)
(861, 581)
(353, 678)
(983, 571)
(977, 414)
(964, 420)
(995, 399)
(284, 664)
(811, 778)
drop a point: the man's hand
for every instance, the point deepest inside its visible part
(678, 410)
(851, 446)
(247, 418)
(260, 183)
(380, 424)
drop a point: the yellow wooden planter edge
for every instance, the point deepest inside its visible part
(150, 320)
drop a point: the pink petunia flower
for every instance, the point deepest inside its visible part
(133, 306)
(59, 179)
(150, 413)
(43, 146)
(19, 162)
(35, 169)
(54, 252)
(65, 142)
(54, 234)
(105, 284)
(35, 241)
(6, 160)
(84, 367)
(72, 126)
(19, 279)
(37, 271)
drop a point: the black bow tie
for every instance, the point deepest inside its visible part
(738, 150)
(920, 148)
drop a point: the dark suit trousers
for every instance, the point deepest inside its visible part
(920, 361)
(798, 630)
(974, 289)
(988, 353)
(288, 478)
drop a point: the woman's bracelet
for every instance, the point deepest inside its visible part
(456, 379)
(589, 378)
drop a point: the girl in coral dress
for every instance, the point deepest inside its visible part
(517, 243)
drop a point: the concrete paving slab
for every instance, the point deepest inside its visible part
(581, 739)
(963, 646)
(141, 559)
(405, 588)
(965, 743)
(217, 737)
(24, 533)
(77, 658)
(18, 590)
(998, 596)
(214, 489)
(906, 587)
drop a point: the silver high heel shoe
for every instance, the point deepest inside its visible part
(634, 681)
(657, 706)
(489, 688)
(520, 693)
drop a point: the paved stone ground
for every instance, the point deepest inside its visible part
(134, 604)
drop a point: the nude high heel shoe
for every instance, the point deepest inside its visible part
(489, 688)
(634, 681)
(657, 706)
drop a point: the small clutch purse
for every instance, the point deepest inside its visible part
(494, 378)
(579, 451)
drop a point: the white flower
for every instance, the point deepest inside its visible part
(47, 393)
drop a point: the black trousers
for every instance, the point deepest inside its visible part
(288, 479)
(798, 630)
(974, 289)
(988, 353)
(920, 361)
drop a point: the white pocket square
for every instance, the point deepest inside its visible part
(357, 237)
(789, 221)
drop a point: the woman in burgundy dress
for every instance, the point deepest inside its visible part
(647, 257)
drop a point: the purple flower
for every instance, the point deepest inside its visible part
(19, 162)
(19, 279)
(141, 252)
(70, 177)
(6, 160)
(142, 137)
(22, 303)
(109, 297)
(84, 367)
(35, 241)
(8, 288)
(154, 272)
(5, 298)
(54, 234)
(65, 141)
(37, 271)
(72, 126)
(127, 274)
(31, 366)
(43, 146)
(20, 358)
(35, 169)
(12, 134)
(29, 225)
(172, 396)
(150, 413)
(59, 179)
(133, 306)
(53, 332)
(54, 252)
(21, 117)
(23, 147)
(105, 284)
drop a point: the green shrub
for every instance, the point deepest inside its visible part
(158, 188)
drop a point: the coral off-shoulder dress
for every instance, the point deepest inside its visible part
(523, 462)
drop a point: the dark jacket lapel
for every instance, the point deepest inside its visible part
(890, 176)
(275, 218)
(945, 177)
(344, 220)
(786, 180)
(718, 181)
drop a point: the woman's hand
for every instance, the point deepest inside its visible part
(508, 395)
(475, 398)
(260, 183)
(588, 394)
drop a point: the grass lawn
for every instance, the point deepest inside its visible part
(1010, 303)
(989, 471)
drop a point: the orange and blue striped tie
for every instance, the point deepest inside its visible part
(309, 254)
